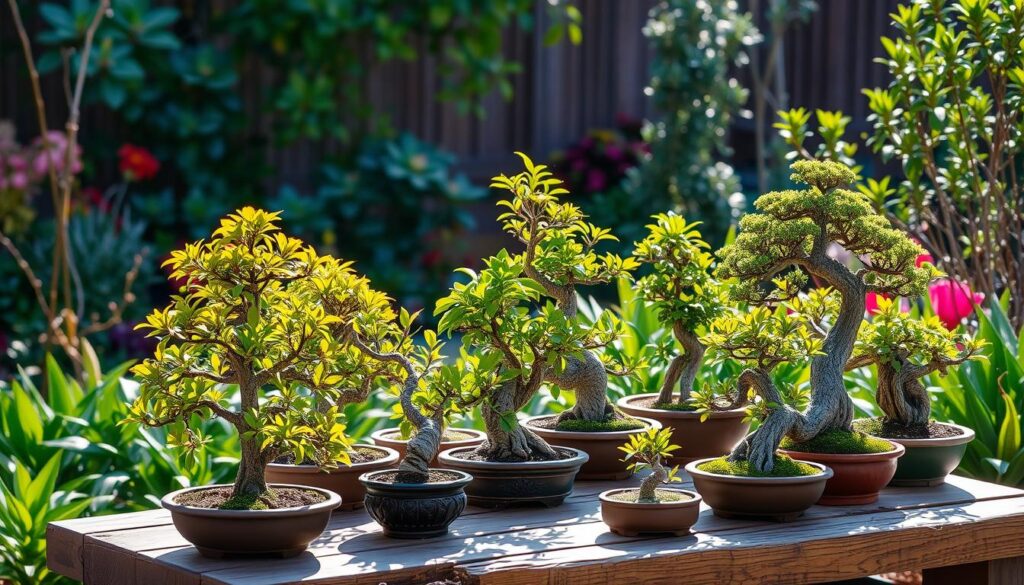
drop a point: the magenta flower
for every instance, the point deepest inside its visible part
(952, 301)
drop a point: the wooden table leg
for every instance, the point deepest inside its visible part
(998, 572)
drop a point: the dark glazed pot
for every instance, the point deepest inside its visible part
(415, 510)
(927, 462)
(858, 477)
(603, 447)
(496, 484)
(635, 518)
(777, 498)
(343, 481)
(218, 533)
(714, 437)
(392, 439)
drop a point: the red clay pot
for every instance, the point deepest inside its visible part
(857, 478)
(343, 481)
(635, 518)
(712, 438)
(392, 439)
(603, 447)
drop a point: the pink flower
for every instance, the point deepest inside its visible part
(596, 181)
(16, 162)
(871, 302)
(19, 180)
(952, 301)
(921, 259)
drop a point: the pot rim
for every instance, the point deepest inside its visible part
(897, 452)
(826, 474)
(577, 461)
(390, 457)
(591, 435)
(333, 501)
(694, 500)
(380, 434)
(624, 402)
(368, 480)
(966, 436)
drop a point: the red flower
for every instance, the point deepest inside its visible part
(137, 163)
(952, 301)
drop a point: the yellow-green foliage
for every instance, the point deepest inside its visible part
(840, 442)
(652, 446)
(784, 467)
(288, 326)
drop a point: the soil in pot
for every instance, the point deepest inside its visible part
(713, 437)
(933, 450)
(734, 490)
(862, 464)
(499, 484)
(392, 439)
(280, 523)
(405, 508)
(674, 512)
(599, 440)
(344, 480)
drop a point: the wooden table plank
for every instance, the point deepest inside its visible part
(353, 546)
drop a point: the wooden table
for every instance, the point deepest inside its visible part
(971, 532)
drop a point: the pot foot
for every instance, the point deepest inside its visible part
(627, 533)
(917, 482)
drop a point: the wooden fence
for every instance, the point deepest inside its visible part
(563, 90)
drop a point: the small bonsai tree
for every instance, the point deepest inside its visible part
(646, 450)
(560, 255)
(684, 293)
(792, 231)
(907, 348)
(508, 351)
(299, 334)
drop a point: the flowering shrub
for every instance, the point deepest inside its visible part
(23, 169)
(600, 160)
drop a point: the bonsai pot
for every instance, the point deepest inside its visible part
(635, 518)
(392, 439)
(857, 477)
(714, 437)
(927, 462)
(343, 481)
(283, 532)
(602, 446)
(777, 498)
(415, 510)
(498, 484)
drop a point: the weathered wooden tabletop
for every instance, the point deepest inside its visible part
(974, 529)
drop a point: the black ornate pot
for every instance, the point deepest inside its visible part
(414, 510)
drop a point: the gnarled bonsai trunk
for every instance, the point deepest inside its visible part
(902, 396)
(250, 480)
(830, 406)
(510, 442)
(649, 486)
(682, 370)
(588, 381)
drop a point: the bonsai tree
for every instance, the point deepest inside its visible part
(560, 255)
(299, 334)
(682, 290)
(645, 451)
(790, 236)
(509, 351)
(905, 348)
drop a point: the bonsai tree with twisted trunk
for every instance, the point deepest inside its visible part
(509, 351)
(560, 255)
(792, 232)
(646, 451)
(299, 334)
(906, 348)
(684, 293)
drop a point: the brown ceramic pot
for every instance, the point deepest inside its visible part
(285, 532)
(858, 477)
(714, 437)
(392, 439)
(635, 518)
(603, 447)
(497, 484)
(343, 481)
(777, 498)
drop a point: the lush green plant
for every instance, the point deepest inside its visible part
(645, 451)
(791, 234)
(696, 44)
(265, 312)
(682, 291)
(560, 255)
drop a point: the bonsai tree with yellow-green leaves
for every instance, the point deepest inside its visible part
(560, 255)
(683, 291)
(787, 239)
(648, 450)
(299, 334)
